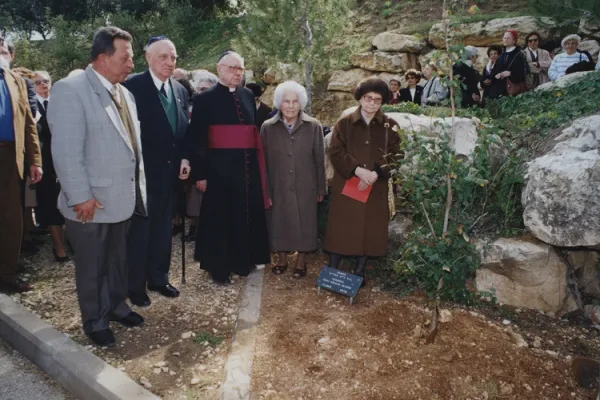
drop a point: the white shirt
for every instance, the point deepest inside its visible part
(412, 93)
(41, 99)
(109, 86)
(509, 49)
(158, 83)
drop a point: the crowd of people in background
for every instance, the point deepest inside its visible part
(511, 70)
(111, 164)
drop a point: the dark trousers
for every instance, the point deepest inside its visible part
(150, 244)
(11, 215)
(100, 271)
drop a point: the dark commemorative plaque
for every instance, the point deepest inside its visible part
(339, 282)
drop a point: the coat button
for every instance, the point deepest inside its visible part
(132, 179)
(367, 142)
(133, 160)
(291, 189)
(291, 171)
(290, 154)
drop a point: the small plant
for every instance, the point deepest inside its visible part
(211, 339)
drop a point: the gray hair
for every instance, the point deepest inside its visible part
(469, 52)
(290, 86)
(45, 74)
(204, 76)
(567, 38)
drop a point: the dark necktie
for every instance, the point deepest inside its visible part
(163, 91)
(45, 105)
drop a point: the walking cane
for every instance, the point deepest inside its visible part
(182, 214)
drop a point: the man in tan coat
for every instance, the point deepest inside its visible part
(18, 139)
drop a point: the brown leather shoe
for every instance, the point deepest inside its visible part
(15, 286)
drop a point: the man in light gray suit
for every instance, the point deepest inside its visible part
(97, 155)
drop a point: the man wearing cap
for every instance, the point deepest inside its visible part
(228, 166)
(162, 106)
(469, 77)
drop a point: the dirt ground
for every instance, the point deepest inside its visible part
(181, 350)
(320, 347)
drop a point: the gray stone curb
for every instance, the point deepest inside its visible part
(239, 363)
(83, 374)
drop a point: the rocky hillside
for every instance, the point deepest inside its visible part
(397, 43)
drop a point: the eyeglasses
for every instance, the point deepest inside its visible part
(533, 40)
(155, 39)
(371, 99)
(234, 69)
(42, 82)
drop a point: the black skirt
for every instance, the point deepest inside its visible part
(46, 212)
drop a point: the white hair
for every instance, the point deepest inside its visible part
(231, 54)
(45, 74)
(567, 38)
(287, 87)
(204, 76)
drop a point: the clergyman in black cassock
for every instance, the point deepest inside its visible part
(228, 165)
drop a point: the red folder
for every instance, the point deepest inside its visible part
(351, 190)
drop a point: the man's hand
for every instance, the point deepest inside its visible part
(184, 170)
(35, 173)
(320, 198)
(362, 185)
(476, 97)
(85, 211)
(487, 82)
(201, 185)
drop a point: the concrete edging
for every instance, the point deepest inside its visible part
(238, 368)
(82, 373)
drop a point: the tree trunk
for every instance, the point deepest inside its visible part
(307, 63)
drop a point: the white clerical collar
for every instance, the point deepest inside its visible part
(41, 99)
(231, 89)
(158, 83)
(509, 49)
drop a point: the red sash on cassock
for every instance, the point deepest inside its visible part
(240, 137)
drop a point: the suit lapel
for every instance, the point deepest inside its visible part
(182, 115)
(108, 105)
(154, 96)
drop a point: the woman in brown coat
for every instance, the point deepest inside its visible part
(362, 145)
(295, 157)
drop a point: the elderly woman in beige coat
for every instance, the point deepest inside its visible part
(295, 157)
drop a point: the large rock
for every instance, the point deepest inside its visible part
(561, 199)
(589, 27)
(566, 80)
(592, 46)
(393, 41)
(465, 129)
(387, 62)
(487, 33)
(441, 60)
(585, 264)
(346, 81)
(524, 273)
(328, 107)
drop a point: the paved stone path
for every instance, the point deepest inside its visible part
(21, 380)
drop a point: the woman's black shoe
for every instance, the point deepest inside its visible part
(60, 259)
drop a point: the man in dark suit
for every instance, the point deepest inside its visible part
(163, 113)
(18, 142)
